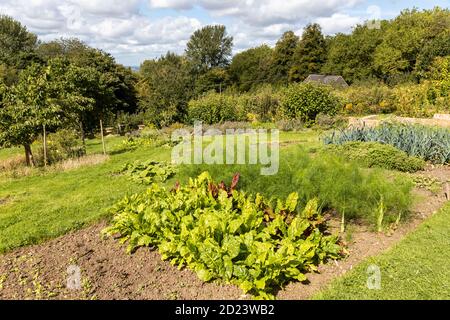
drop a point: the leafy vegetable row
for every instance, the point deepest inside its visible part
(227, 235)
(148, 172)
(430, 144)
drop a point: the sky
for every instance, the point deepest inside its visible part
(136, 30)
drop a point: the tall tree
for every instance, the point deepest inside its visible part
(310, 54)
(120, 82)
(251, 67)
(209, 47)
(26, 107)
(165, 88)
(57, 94)
(77, 87)
(352, 56)
(17, 46)
(282, 57)
(434, 48)
(412, 41)
(439, 74)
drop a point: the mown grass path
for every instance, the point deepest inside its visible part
(415, 268)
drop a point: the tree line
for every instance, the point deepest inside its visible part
(401, 50)
(67, 84)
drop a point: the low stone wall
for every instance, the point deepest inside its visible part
(371, 121)
(442, 117)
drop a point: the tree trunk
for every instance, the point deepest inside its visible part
(29, 155)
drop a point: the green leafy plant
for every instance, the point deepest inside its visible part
(374, 154)
(225, 234)
(149, 171)
(431, 184)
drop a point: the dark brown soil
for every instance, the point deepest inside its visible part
(107, 272)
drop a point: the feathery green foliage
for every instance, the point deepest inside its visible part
(338, 184)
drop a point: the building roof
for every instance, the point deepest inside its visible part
(327, 79)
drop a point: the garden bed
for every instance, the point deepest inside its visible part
(40, 271)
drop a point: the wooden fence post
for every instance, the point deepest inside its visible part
(103, 138)
(45, 145)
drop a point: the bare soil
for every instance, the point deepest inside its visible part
(107, 272)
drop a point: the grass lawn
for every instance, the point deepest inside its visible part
(11, 152)
(44, 206)
(416, 268)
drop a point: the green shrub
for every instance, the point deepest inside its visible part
(415, 100)
(411, 100)
(365, 99)
(215, 108)
(374, 154)
(154, 115)
(263, 102)
(62, 145)
(225, 234)
(428, 143)
(306, 101)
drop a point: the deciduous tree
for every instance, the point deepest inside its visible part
(26, 107)
(251, 67)
(209, 47)
(165, 88)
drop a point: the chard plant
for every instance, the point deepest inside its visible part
(227, 235)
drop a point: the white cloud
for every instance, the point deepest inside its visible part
(338, 22)
(110, 7)
(116, 27)
(124, 27)
(262, 12)
(172, 4)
